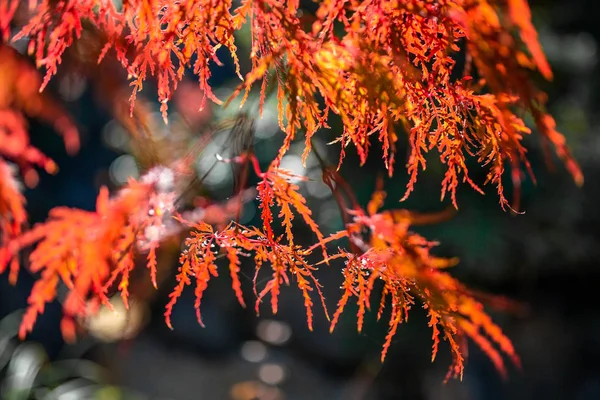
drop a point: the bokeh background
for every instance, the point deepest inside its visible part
(548, 259)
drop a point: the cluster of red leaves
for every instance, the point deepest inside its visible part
(91, 251)
(20, 97)
(402, 260)
(285, 258)
(391, 63)
(80, 248)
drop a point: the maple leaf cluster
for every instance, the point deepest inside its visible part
(388, 251)
(381, 67)
(20, 98)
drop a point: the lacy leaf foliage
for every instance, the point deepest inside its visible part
(20, 98)
(402, 260)
(382, 67)
(392, 64)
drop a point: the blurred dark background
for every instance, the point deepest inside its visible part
(547, 259)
